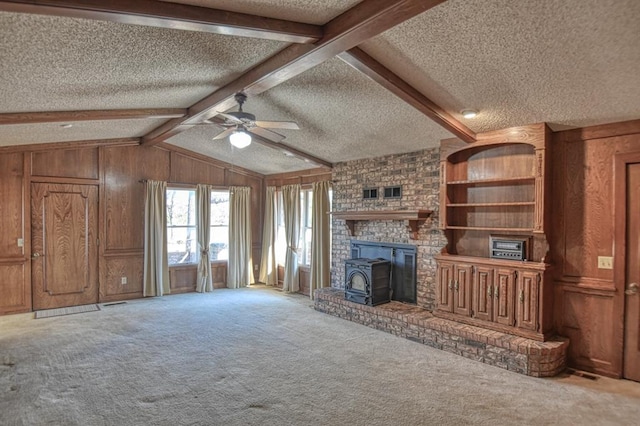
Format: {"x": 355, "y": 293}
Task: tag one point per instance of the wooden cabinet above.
{"x": 454, "y": 288}
{"x": 482, "y": 293}
{"x": 497, "y": 186}
{"x": 502, "y": 295}
{"x": 445, "y": 286}
{"x": 528, "y": 291}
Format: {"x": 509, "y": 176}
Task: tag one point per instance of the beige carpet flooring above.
{"x": 257, "y": 356}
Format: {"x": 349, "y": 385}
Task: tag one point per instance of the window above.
{"x": 306, "y": 212}
{"x": 306, "y": 216}
{"x": 392, "y": 192}
{"x": 181, "y": 226}
{"x": 370, "y": 193}
{"x": 281, "y": 240}
{"x": 219, "y": 236}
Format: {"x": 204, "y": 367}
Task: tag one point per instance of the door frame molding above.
{"x": 621, "y": 161}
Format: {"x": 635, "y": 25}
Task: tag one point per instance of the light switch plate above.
{"x": 20, "y": 242}
{"x": 605, "y": 262}
{"x": 123, "y": 280}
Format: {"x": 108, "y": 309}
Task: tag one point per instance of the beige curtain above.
{"x": 291, "y": 209}
{"x": 268, "y": 264}
{"x": 156, "y": 262}
{"x": 240, "y": 263}
{"x": 203, "y": 226}
{"x": 320, "y": 237}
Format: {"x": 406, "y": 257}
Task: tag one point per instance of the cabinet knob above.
{"x": 450, "y": 284}
{"x": 457, "y": 285}
{"x": 489, "y": 291}
{"x": 521, "y": 296}
{"x": 496, "y": 292}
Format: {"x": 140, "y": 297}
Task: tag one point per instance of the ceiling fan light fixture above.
{"x": 240, "y": 139}
{"x": 469, "y": 113}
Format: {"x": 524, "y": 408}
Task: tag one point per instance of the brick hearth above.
{"x": 524, "y": 356}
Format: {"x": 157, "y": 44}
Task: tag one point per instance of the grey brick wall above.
{"x": 418, "y": 174}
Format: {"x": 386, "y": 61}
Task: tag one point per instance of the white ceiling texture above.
{"x": 570, "y": 63}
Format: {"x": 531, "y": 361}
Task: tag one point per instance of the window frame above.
{"x": 170, "y": 227}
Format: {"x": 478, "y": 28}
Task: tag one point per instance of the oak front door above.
{"x": 632, "y": 290}
{"x": 64, "y": 258}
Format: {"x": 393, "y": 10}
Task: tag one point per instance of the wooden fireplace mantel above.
{"x": 415, "y": 218}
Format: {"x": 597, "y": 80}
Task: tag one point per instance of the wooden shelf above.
{"x": 415, "y": 218}
{"x": 487, "y": 228}
{"x": 514, "y": 204}
{"x": 497, "y": 181}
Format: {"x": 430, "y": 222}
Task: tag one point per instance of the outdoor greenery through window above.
{"x": 306, "y": 207}
{"x": 181, "y": 226}
{"x": 219, "y": 237}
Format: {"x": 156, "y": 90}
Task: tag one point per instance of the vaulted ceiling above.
{"x": 361, "y": 78}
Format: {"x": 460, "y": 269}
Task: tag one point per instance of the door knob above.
{"x": 632, "y": 289}
{"x": 35, "y": 255}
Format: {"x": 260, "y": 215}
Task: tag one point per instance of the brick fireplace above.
{"x": 417, "y": 174}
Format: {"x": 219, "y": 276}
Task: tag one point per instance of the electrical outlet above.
{"x": 20, "y": 242}
{"x": 605, "y": 262}
{"x": 123, "y": 280}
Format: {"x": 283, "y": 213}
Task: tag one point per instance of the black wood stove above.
{"x": 367, "y": 281}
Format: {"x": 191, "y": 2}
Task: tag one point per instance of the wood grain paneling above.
{"x": 590, "y": 300}
{"x": 587, "y": 321}
{"x": 189, "y": 170}
{"x": 304, "y": 279}
{"x": 72, "y": 163}
{"x": 129, "y": 267}
{"x": 183, "y": 279}
{"x": 588, "y": 211}
{"x": 64, "y": 235}
{"x": 124, "y": 167}
{"x": 11, "y": 205}
{"x": 303, "y": 177}
{"x": 15, "y": 290}
{"x": 219, "y": 274}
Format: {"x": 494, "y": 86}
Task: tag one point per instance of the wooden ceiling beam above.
{"x": 172, "y": 15}
{"x": 373, "y": 69}
{"x": 284, "y": 148}
{"x": 89, "y": 115}
{"x": 363, "y": 21}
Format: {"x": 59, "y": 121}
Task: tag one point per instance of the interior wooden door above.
{"x": 64, "y": 259}
{"x": 632, "y": 291}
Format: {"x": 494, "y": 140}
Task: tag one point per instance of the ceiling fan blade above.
{"x": 230, "y": 118}
{"x": 224, "y": 134}
{"x": 288, "y": 125}
{"x": 268, "y": 134}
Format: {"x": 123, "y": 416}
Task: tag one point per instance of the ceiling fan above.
{"x": 240, "y": 124}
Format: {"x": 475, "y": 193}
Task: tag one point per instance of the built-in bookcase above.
{"x": 496, "y": 186}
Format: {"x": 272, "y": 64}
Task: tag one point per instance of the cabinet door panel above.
{"x": 445, "y": 287}
{"x": 462, "y": 290}
{"x": 503, "y": 296}
{"x": 528, "y": 300}
{"x": 482, "y": 292}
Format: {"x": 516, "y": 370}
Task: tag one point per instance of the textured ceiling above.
{"x": 255, "y": 157}
{"x": 25, "y": 134}
{"x": 570, "y": 63}
{"x": 52, "y": 64}
{"x": 341, "y": 119}
{"x": 316, "y": 12}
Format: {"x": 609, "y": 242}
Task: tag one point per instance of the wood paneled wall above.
{"x": 118, "y": 170}
{"x": 588, "y": 300}
{"x": 15, "y": 262}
